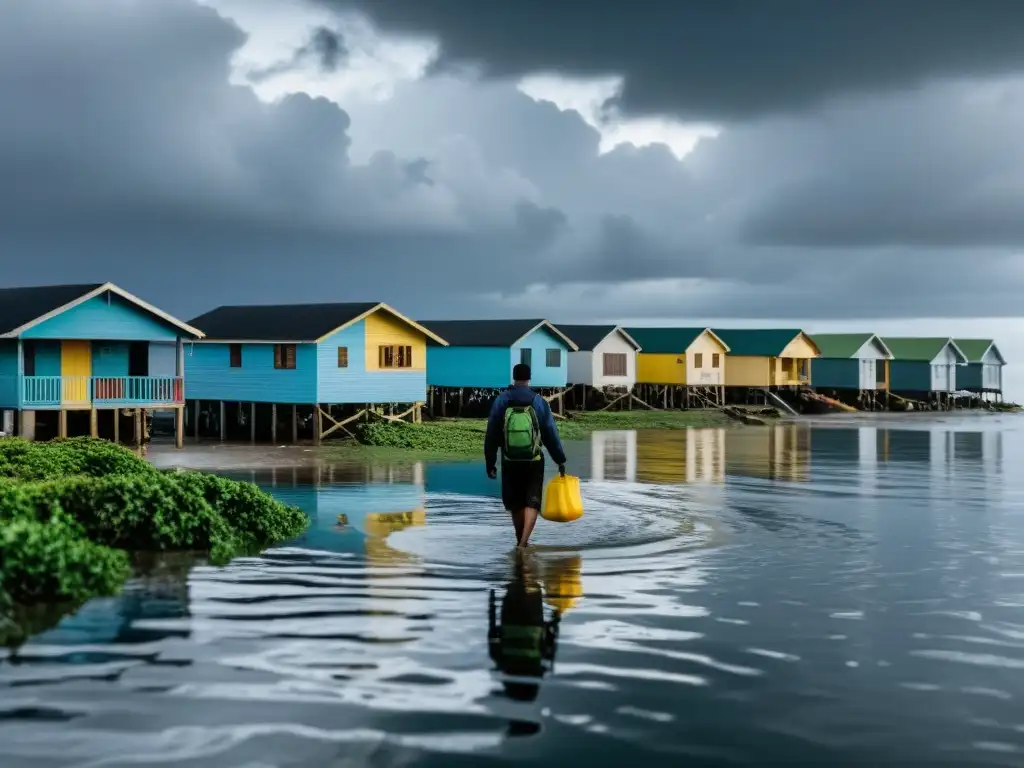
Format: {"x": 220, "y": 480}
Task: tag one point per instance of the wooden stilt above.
{"x": 317, "y": 425}
{"x": 117, "y": 425}
{"x": 62, "y": 427}
{"x": 252, "y": 423}
{"x": 94, "y": 427}
{"x": 179, "y": 427}
{"x": 223, "y": 422}
{"x": 295, "y": 424}
{"x": 444, "y": 402}
{"x": 195, "y": 420}
{"x": 137, "y": 428}
{"x": 273, "y": 423}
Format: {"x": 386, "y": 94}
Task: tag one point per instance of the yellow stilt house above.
{"x": 693, "y": 358}
{"x": 768, "y": 357}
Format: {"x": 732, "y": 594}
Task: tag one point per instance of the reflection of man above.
{"x": 524, "y": 643}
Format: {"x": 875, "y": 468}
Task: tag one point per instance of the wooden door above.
{"x": 75, "y": 370}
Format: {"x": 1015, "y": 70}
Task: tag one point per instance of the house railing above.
{"x": 99, "y": 391}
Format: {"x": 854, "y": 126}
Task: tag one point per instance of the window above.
{"x": 698, "y": 360}
{"x": 343, "y": 357}
{"x": 614, "y": 363}
{"x": 235, "y": 353}
{"x": 284, "y": 356}
{"x": 394, "y": 356}
{"x": 526, "y": 356}
{"x": 553, "y": 358}
{"x": 716, "y": 359}
{"x": 29, "y": 351}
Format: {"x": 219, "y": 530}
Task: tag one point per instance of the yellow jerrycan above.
{"x": 562, "y": 500}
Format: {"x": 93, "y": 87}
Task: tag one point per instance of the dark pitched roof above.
{"x": 277, "y": 322}
{"x": 587, "y": 337}
{"x": 483, "y": 333}
{"x": 757, "y": 342}
{"x": 19, "y": 306}
{"x": 665, "y": 341}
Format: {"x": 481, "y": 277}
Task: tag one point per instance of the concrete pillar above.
{"x": 27, "y": 424}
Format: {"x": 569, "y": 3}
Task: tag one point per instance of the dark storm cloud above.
{"x": 127, "y": 155}
{"x": 721, "y": 60}
{"x": 326, "y": 48}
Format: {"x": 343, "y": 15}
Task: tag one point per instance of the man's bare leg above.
{"x": 529, "y": 518}
{"x": 517, "y": 521}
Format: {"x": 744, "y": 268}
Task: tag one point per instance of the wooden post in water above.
{"x": 223, "y": 422}
{"x": 273, "y": 423}
{"x": 252, "y": 423}
{"x": 179, "y": 427}
{"x": 94, "y": 427}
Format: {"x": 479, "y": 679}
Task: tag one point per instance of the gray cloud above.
{"x": 129, "y": 152}
{"x": 326, "y": 48}
{"x": 722, "y": 60}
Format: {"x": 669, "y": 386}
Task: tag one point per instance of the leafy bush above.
{"x": 68, "y": 508}
{"x": 255, "y": 517}
{"x": 22, "y": 460}
{"x": 50, "y": 561}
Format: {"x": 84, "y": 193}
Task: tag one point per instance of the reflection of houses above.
{"x": 613, "y": 455}
{"x": 780, "y": 452}
{"x": 356, "y": 513}
{"x": 690, "y": 456}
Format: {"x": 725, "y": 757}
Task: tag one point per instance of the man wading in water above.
{"x": 520, "y": 423}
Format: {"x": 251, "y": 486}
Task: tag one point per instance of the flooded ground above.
{"x": 833, "y": 591}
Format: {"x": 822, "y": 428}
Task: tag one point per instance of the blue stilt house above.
{"x": 332, "y": 360}
{"x": 73, "y": 358}
{"x": 480, "y": 355}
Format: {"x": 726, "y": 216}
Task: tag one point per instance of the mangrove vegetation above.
{"x": 74, "y": 512}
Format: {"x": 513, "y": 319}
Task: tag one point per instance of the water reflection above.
{"x": 870, "y": 584}
{"x": 520, "y": 639}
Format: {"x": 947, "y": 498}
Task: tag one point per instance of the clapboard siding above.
{"x": 471, "y": 367}
{"x": 104, "y": 317}
{"x": 210, "y": 376}
{"x": 356, "y": 384}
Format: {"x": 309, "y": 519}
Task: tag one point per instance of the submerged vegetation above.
{"x": 465, "y": 437}
{"x": 71, "y": 511}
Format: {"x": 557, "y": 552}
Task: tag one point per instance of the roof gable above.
{"x": 757, "y": 342}
{"x": 492, "y": 333}
{"x": 976, "y": 349}
{"x": 920, "y": 348}
{"x": 846, "y": 345}
{"x": 24, "y": 308}
{"x": 292, "y": 322}
{"x": 669, "y": 341}
{"x": 588, "y": 337}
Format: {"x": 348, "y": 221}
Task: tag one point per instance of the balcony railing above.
{"x": 98, "y": 391}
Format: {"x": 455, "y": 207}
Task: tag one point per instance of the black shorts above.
{"x": 522, "y": 484}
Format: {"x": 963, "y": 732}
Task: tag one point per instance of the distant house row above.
{"x": 83, "y": 348}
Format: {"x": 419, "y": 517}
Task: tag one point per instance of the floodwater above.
{"x": 829, "y": 592}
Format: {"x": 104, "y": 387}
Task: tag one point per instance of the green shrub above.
{"x": 256, "y": 518}
{"x": 70, "y": 508}
{"x": 22, "y": 460}
{"x": 49, "y": 561}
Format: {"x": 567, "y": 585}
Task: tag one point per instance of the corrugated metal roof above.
{"x": 920, "y": 348}
{"x": 19, "y": 306}
{"x": 277, "y": 322}
{"x": 587, "y": 337}
{"x": 975, "y": 349}
{"x": 840, "y": 344}
{"x": 757, "y": 342}
{"x": 665, "y": 341}
{"x": 481, "y": 333}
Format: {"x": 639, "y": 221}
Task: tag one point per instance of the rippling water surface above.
{"x": 807, "y": 593}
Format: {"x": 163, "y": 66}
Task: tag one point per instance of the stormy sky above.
{"x": 827, "y": 164}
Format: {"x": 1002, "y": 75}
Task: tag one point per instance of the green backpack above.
{"x": 522, "y": 434}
